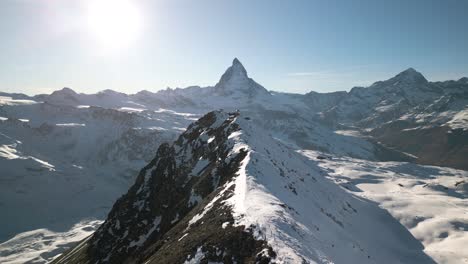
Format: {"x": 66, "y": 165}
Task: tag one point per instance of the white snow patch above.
{"x": 194, "y": 198}
{"x": 43, "y": 245}
{"x": 459, "y": 120}
{"x": 175, "y": 219}
{"x": 6, "y": 100}
{"x": 425, "y": 199}
{"x": 199, "y": 167}
{"x": 196, "y": 259}
{"x": 182, "y": 237}
{"x": 71, "y": 125}
{"x": 144, "y": 237}
{"x": 131, "y": 109}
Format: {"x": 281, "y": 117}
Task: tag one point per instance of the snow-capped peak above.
{"x": 236, "y": 72}
{"x": 235, "y": 78}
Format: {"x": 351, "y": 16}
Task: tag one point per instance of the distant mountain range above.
{"x": 68, "y": 156}
{"x": 398, "y": 115}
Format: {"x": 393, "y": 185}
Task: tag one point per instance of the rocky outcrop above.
{"x": 174, "y": 187}
{"x": 235, "y": 80}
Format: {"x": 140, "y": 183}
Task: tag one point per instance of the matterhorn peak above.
{"x": 237, "y": 66}
{"x": 236, "y": 70}
{"x": 236, "y": 79}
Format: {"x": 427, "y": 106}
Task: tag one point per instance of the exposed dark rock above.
{"x": 149, "y": 223}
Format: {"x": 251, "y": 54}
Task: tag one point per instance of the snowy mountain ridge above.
{"x": 235, "y": 183}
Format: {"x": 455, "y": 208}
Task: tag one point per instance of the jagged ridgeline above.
{"x": 227, "y": 192}
{"x": 145, "y": 223}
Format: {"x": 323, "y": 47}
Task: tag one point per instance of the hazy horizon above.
{"x": 278, "y": 90}
{"x": 296, "y": 47}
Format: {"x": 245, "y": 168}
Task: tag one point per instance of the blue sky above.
{"x": 293, "y": 46}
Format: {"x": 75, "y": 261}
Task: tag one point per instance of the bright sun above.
{"x": 114, "y": 23}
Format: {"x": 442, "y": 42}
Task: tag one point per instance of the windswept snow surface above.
{"x": 6, "y": 100}
{"x": 68, "y": 164}
{"x": 432, "y": 202}
{"x": 286, "y": 200}
{"x": 43, "y": 245}
{"x": 459, "y": 120}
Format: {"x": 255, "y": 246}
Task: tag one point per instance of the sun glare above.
{"x": 114, "y": 23}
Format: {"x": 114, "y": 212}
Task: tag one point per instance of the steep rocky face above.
{"x": 180, "y": 177}
{"x": 406, "y": 93}
{"x": 433, "y": 145}
{"x": 235, "y": 80}
{"x": 384, "y": 100}
{"x": 434, "y": 130}
{"x": 173, "y": 183}
{"x": 407, "y": 112}
{"x": 409, "y": 76}
{"x": 226, "y": 191}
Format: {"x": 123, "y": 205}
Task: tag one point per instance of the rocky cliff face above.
{"x": 236, "y": 81}
{"x": 167, "y": 193}
{"x": 407, "y": 112}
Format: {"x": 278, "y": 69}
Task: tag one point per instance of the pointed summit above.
{"x": 410, "y": 75}
{"x": 236, "y": 61}
{"x": 237, "y": 64}
{"x": 236, "y": 70}
{"x": 236, "y": 79}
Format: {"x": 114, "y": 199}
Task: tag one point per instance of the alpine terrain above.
{"x": 235, "y": 173}
{"x": 222, "y": 193}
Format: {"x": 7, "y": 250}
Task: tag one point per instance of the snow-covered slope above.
{"x": 380, "y": 112}
{"x": 77, "y": 161}
{"x": 234, "y": 187}
{"x": 106, "y": 137}
{"x": 432, "y": 202}
{"x": 43, "y": 245}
